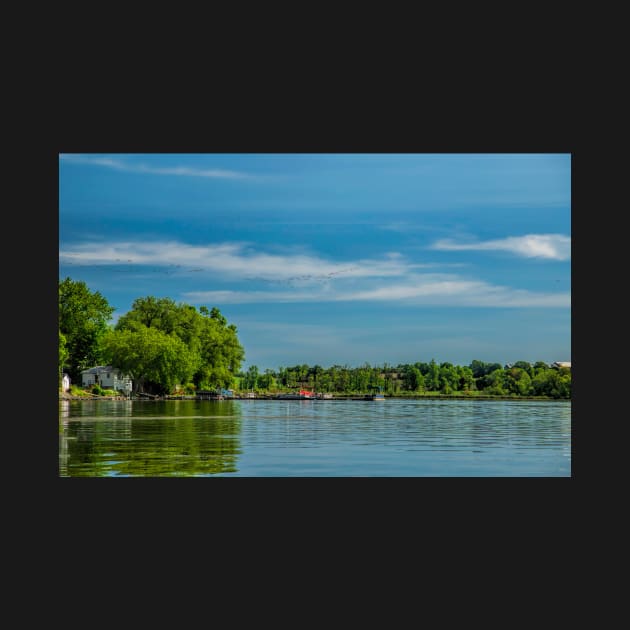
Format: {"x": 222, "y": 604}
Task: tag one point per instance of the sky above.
{"x": 334, "y": 259}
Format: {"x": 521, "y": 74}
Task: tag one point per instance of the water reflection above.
{"x": 165, "y": 438}
{"x": 306, "y": 438}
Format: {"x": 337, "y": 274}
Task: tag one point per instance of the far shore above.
{"x": 349, "y": 397}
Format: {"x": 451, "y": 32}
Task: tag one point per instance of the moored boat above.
{"x": 373, "y": 396}
{"x": 303, "y": 394}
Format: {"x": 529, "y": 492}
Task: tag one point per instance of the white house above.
{"x": 65, "y": 383}
{"x": 562, "y": 364}
{"x": 107, "y": 377}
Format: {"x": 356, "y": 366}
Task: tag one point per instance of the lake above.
{"x": 273, "y": 438}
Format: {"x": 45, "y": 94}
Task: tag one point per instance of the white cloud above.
{"x": 418, "y": 290}
{"x": 551, "y": 246}
{"x": 231, "y": 260}
{"x": 143, "y": 168}
{"x": 455, "y": 291}
{"x": 303, "y": 278}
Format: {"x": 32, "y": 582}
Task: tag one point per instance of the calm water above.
{"x": 314, "y": 438}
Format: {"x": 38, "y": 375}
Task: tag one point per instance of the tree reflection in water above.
{"x": 150, "y": 439}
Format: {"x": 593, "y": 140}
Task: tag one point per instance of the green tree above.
{"x": 518, "y": 381}
{"x": 83, "y": 317}
{"x": 449, "y": 378}
{"x": 483, "y": 372}
{"x": 432, "y": 378}
{"x": 553, "y": 383}
{"x": 267, "y": 381}
{"x": 156, "y": 361}
{"x": 206, "y": 334}
{"x": 495, "y": 382}
{"x": 221, "y": 352}
{"x": 63, "y": 354}
{"x": 538, "y": 367}
{"x": 524, "y": 365}
{"x": 250, "y": 380}
{"x": 466, "y": 378}
{"x": 478, "y": 368}
{"x": 164, "y": 314}
{"x": 413, "y": 380}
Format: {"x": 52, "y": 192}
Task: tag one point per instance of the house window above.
{"x": 107, "y": 374}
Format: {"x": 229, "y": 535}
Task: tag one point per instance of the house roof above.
{"x": 99, "y": 369}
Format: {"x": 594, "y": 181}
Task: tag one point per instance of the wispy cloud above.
{"x": 231, "y": 260}
{"x": 299, "y": 277}
{"x": 128, "y": 167}
{"x": 417, "y": 291}
{"x": 452, "y": 290}
{"x": 550, "y": 246}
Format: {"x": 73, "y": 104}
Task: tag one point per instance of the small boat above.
{"x": 214, "y": 394}
{"x": 303, "y": 394}
{"x": 376, "y": 395}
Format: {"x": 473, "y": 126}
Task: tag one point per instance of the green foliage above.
{"x": 416, "y": 379}
{"x": 63, "y": 352}
{"x": 267, "y": 381}
{"x": 220, "y": 350}
{"x": 250, "y": 380}
{"x": 553, "y": 383}
{"x": 466, "y": 378}
{"x": 151, "y": 357}
{"x": 448, "y": 378}
{"x": 517, "y": 381}
{"x": 97, "y": 390}
{"x": 413, "y": 379}
{"x": 495, "y": 383}
{"x": 83, "y": 317}
{"x": 524, "y": 365}
{"x": 160, "y": 344}
{"x": 75, "y": 390}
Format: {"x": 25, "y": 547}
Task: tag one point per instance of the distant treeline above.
{"x": 167, "y": 347}
{"x": 493, "y": 379}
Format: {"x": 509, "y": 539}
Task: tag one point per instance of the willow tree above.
{"x": 220, "y": 350}
{"x": 155, "y": 360}
{"x": 211, "y": 344}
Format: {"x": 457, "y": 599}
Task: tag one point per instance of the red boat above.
{"x": 303, "y": 394}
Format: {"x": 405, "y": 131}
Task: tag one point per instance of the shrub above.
{"x": 75, "y": 390}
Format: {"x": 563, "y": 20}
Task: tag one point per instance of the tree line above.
{"x": 519, "y": 379}
{"x": 162, "y": 345}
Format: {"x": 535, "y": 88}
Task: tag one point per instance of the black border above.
{"x": 376, "y": 121}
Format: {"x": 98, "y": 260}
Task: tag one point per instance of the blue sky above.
{"x": 335, "y": 258}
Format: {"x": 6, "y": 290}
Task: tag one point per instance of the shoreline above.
{"x": 319, "y": 400}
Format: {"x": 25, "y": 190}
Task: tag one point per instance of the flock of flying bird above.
{"x": 174, "y": 268}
